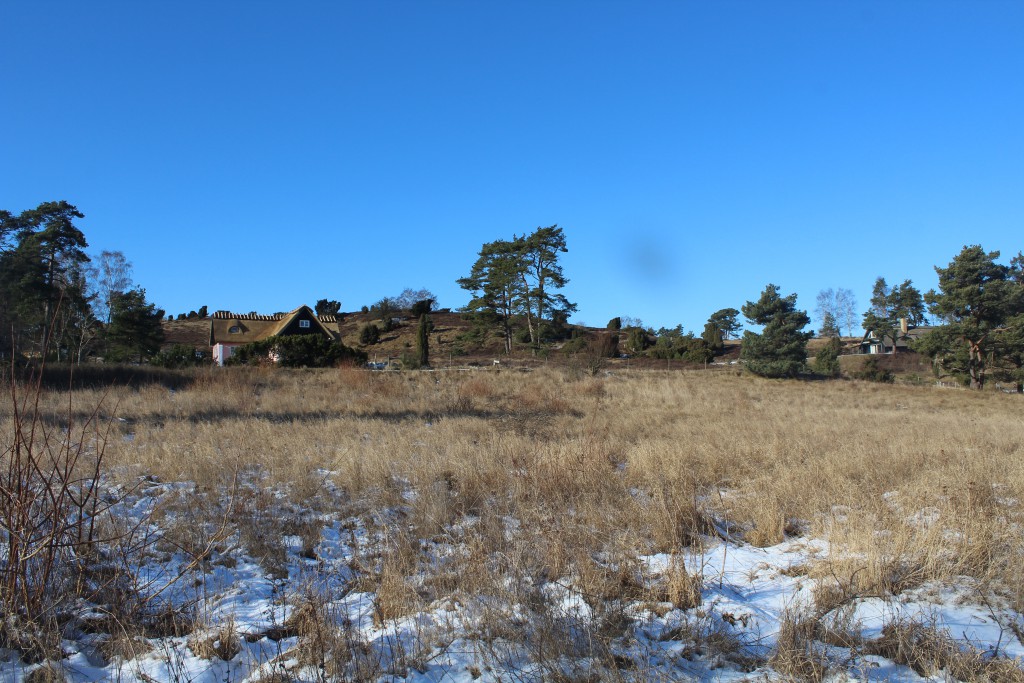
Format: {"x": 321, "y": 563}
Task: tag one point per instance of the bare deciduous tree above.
{"x": 111, "y": 275}
{"x": 841, "y": 304}
{"x": 846, "y": 305}
{"x": 409, "y": 297}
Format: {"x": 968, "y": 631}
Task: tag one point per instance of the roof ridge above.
{"x": 228, "y": 315}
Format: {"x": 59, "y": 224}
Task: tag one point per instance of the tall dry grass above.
{"x": 835, "y": 459}
{"x": 841, "y": 459}
{"x": 571, "y": 477}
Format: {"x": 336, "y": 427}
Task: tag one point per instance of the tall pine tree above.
{"x": 979, "y": 300}
{"x": 541, "y": 273}
{"x": 135, "y": 332}
{"x": 781, "y": 348}
{"x": 495, "y": 283}
{"x": 40, "y": 271}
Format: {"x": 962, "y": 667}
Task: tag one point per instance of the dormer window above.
{"x": 304, "y": 323}
{"x": 234, "y": 329}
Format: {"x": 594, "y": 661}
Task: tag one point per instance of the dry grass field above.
{"x": 498, "y": 497}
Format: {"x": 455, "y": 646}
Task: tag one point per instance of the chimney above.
{"x": 903, "y": 325}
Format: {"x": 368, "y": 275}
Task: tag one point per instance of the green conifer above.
{"x": 423, "y": 341}
{"x": 781, "y": 348}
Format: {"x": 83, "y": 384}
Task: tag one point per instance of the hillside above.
{"x": 453, "y": 342}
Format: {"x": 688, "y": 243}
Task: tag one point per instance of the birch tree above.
{"x": 112, "y": 275}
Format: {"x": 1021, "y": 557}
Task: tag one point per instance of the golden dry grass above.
{"x": 841, "y": 460}
{"x": 909, "y": 484}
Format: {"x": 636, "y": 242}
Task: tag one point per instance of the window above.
{"x": 303, "y": 323}
{"x": 234, "y": 329}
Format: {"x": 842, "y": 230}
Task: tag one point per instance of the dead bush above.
{"x": 224, "y": 643}
{"x": 395, "y": 595}
{"x": 798, "y": 655}
{"x": 682, "y": 588}
{"x": 60, "y": 539}
{"x": 48, "y": 672}
{"x": 617, "y": 578}
{"x": 262, "y": 525}
{"x": 34, "y": 641}
{"x": 929, "y": 650}
{"x": 676, "y": 519}
{"x": 769, "y": 523}
{"x": 123, "y": 646}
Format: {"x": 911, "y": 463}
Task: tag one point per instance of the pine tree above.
{"x": 712, "y": 336}
{"x": 327, "y": 307}
{"x": 495, "y": 283}
{"x": 781, "y": 348}
{"x": 608, "y": 344}
{"x": 369, "y": 334}
{"x": 826, "y": 363}
{"x": 636, "y": 341}
{"x": 541, "y": 273}
{"x": 979, "y": 299}
{"x": 423, "y": 340}
{"x": 519, "y": 278}
{"x": 890, "y": 305}
{"x": 39, "y": 272}
{"x": 726, "y": 321}
{"x": 422, "y": 307}
{"x": 828, "y": 326}
{"x": 135, "y": 332}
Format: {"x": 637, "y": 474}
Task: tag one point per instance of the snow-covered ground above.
{"x": 312, "y": 618}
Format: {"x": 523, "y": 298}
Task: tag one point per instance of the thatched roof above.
{"x": 194, "y": 332}
{"x": 234, "y": 328}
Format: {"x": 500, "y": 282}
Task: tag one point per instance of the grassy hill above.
{"x": 455, "y": 342}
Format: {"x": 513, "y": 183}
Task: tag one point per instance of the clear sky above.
{"x": 258, "y": 155}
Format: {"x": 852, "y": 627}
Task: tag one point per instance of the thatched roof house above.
{"x": 885, "y": 343}
{"x": 230, "y": 330}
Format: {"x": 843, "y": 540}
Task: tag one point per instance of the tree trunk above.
{"x": 976, "y": 366}
{"x": 540, "y": 300}
{"x": 507, "y": 331}
{"x": 529, "y": 310}
{"x": 44, "y": 347}
{"x": 506, "y": 316}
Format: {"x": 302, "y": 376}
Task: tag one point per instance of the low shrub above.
{"x": 826, "y": 363}
{"x": 872, "y": 371}
{"x": 181, "y": 356}
{"x": 300, "y": 351}
{"x": 369, "y": 334}
{"x": 574, "y": 346}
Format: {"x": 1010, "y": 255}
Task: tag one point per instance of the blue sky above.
{"x": 257, "y": 155}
